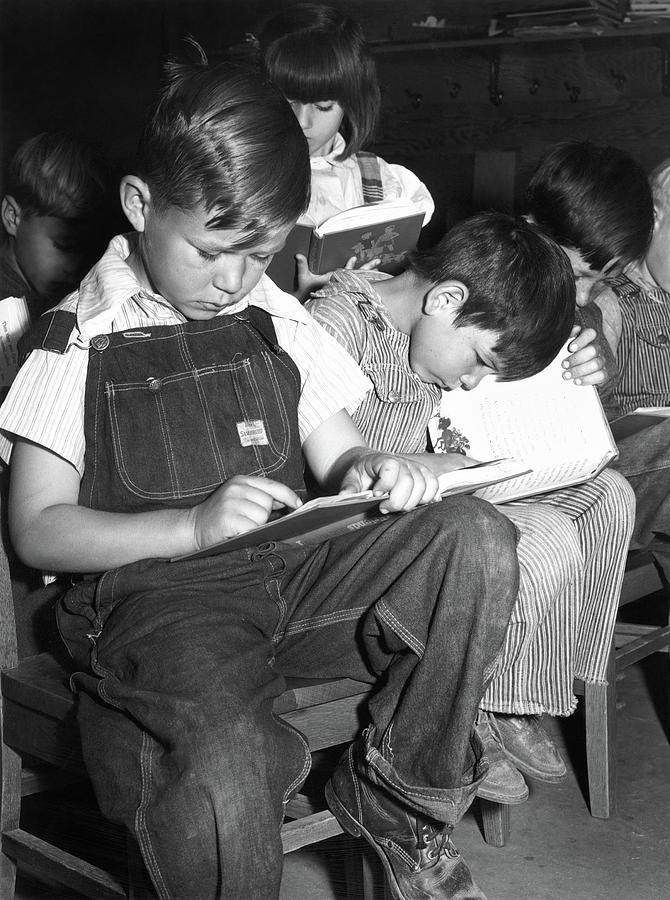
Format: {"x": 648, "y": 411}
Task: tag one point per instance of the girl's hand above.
{"x": 242, "y": 503}
{"x": 586, "y": 363}
{"x": 368, "y": 266}
{"x": 308, "y": 282}
{"x": 408, "y": 482}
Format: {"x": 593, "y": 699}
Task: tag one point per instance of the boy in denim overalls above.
{"x": 172, "y": 402}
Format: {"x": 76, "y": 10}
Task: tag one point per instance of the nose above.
{"x": 471, "y": 381}
{"x": 229, "y": 276}
{"x": 303, "y": 114}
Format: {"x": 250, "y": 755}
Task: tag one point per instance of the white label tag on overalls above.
{"x": 252, "y": 432}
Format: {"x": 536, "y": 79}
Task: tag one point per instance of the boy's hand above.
{"x": 408, "y": 483}
{"x": 586, "y": 363}
{"x": 242, "y": 503}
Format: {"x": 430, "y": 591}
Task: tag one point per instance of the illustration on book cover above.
{"x": 383, "y": 246}
{"x": 450, "y": 439}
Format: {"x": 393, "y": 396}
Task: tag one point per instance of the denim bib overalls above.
{"x": 178, "y": 663}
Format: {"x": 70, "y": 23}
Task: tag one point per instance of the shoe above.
{"x": 419, "y": 859}
{"x": 503, "y": 783}
{"x": 529, "y": 746}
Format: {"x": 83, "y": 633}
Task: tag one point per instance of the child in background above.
{"x": 318, "y": 58}
{"x": 172, "y": 402}
{"x": 598, "y": 203}
{"x": 461, "y": 311}
{"x": 55, "y": 216}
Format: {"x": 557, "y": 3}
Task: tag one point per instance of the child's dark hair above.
{"x": 56, "y": 174}
{"x": 520, "y": 285}
{"x": 593, "y": 199}
{"x": 224, "y": 136}
{"x": 315, "y": 53}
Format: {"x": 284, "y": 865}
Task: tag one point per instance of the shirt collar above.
{"x": 111, "y": 283}
{"x": 324, "y": 162}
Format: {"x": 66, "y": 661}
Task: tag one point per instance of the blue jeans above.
{"x": 644, "y": 458}
{"x": 180, "y": 664}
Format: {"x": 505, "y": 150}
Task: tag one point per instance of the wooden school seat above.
{"x": 41, "y": 751}
{"x": 643, "y": 578}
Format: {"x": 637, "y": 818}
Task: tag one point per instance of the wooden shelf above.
{"x": 623, "y": 32}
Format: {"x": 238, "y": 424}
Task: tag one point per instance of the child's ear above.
{"x": 135, "y": 200}
{"x": 445, "y": 296}
{"x": 11, "y": 214}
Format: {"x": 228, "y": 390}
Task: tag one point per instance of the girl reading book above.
{"x": 318, "y": 57}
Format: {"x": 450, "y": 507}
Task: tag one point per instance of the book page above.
{"x": 556, "y": 427}
{"x": 369, "y": 214}
{"x": 14, "y": 323}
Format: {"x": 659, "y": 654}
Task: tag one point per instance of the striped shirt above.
{"x": 46, "y": 401}
{"x": 337, "y": 185}
{"x": 394, "y": 415}
{"x": 643, "y": 352}
{"x": 572, "y": 544}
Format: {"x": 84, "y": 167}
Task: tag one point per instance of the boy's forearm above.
{"x": 69, "y": 538}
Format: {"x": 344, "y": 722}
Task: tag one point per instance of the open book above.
{"x": 326, "y": 517}
{"x": 386, "y": 231}
{"x": 556, "y": 428}
{"x": 640, "y": 418}
{"x": 14, "y": 322}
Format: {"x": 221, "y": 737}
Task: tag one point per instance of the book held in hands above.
{"x": 14, "y": 323}
{"x": 556, "y": 428}
{"x": 387, "y": 231}
{"x": 326, "y": 517}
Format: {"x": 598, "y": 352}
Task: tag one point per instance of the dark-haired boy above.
{"x": 465, "y": 309}
{"x": 56, "y": 215}
{"x": 600, "y": 205}
{"x": 172, "y": 402}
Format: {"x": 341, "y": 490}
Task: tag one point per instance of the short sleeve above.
{"x": 45, "y": 405}
{"x": 341, "y": 320}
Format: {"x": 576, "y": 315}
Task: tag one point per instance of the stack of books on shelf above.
{"x": 648, "y": 9}
{"x": 576, "y": 14}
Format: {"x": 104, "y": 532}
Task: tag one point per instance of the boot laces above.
{"x": 431, "y": 837}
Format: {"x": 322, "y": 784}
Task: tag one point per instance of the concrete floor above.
{"x": 557, "y": 851}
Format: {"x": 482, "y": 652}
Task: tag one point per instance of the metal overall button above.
{"x": 100, "y": 342}
{"x": 154, "y": 384}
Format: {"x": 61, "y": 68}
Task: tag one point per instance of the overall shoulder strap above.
{"x": 51, "y": 332}
{"x": 371, "y": 176}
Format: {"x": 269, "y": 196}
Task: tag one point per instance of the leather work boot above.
{"x": 503, "y": 782}
{"x": 420, "y": 861}
{"x": 529, "y": 747}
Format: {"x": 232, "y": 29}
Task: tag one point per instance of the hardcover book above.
{"x": 556, "y": 428}
{"x": 387, "y": 231}
{"x": 326, "y": 517}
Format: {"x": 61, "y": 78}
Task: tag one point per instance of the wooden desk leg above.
{"x": 600, "y": 719}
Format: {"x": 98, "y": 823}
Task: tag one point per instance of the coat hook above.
{"x": 495, "y": 94}
{"x": 534, "y": 86}
{"x": 619, "y": 80}
{"x": 573, "y": 91}
{"x": 415, "y": 98}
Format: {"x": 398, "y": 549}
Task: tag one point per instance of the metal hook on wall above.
{"x": 454, "y": 90}
{"x": 619, "y": 80}
{"x": 495, "y": 94}
{"x": 534, "y": 86}
{"x": 573, "y": 91}
{"x": 416, "y": 99}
